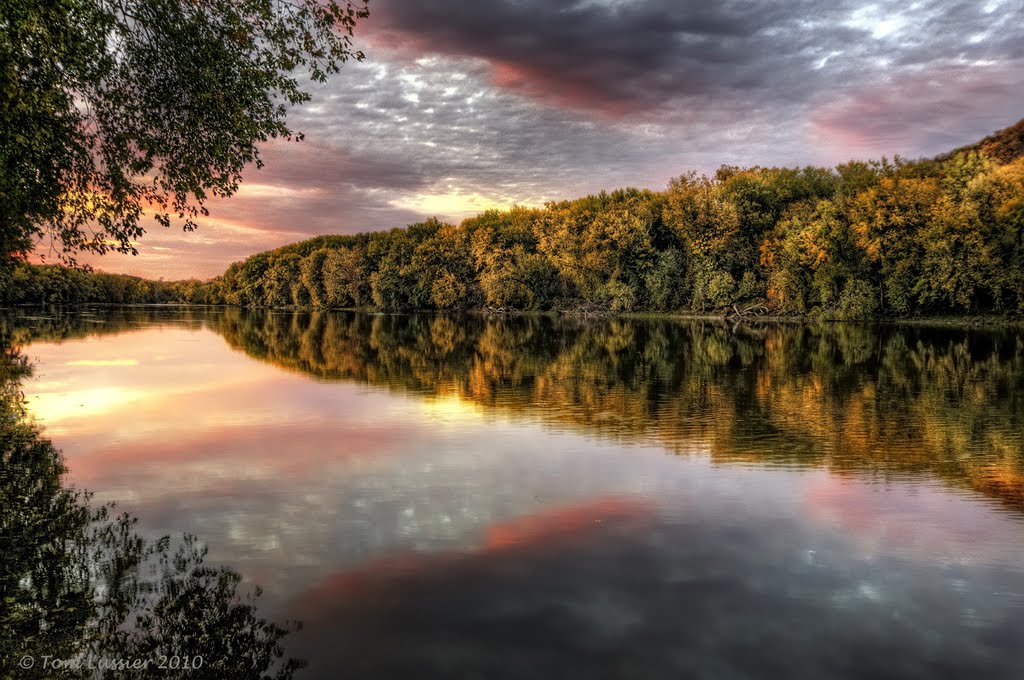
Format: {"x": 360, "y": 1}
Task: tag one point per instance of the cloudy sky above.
{"x": 460, "y": 107}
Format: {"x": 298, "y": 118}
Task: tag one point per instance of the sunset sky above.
{"x": 460, "y": 107}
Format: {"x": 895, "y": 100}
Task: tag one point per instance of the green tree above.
{"x": 999, "y": 197}
{"x": 393, "y": 283}
{"x": 281, "y": 281}
{"x": 665, "y": 282}
{"x": 958, "y": 264}
{"x": 311, "y": 272}
{"x": 709, "y": 227}
{"x": 605, "y": 245}
{"x": 510, "y": 270}
{"x": 112, "y": 109}
{"x": 443, "y": 267}
{"x": 346, "y": 274}
{"x": 888, "y": 223}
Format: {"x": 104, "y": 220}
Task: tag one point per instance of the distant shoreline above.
{"x": 942, "y": 321}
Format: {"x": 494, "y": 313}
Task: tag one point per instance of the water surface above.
{"x": 541, "y": 497}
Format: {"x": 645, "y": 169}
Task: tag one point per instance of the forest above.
{"x": 942, "y": 236}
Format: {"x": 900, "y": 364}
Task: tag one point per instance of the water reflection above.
{"x": 450, "y": 497}
{"x": 82, "y": 595}
{"x": 881, "y": 400}
{"x": 613, "y": 590}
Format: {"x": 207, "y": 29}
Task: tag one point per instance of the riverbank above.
{"x": 960, "y": 322}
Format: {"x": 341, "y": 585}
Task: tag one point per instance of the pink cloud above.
{"x": 922, "y": 112}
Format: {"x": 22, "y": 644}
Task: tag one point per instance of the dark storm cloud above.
{"x": 629, "y": 58}
{"x": 617, "y": 58}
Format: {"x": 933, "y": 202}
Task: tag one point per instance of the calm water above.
{"x": 543, "y": 498}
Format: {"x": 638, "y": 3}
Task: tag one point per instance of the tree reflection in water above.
{"x": 890, "y": 400}
{"x": 80, "y": 589}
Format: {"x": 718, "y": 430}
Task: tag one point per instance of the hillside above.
{"x": 1005, "y": 145}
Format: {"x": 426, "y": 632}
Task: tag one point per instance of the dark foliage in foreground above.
{"x": 115, "y": 111}
{"x": 79, "y": 585}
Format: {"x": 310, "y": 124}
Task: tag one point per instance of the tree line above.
{"x": 56, "y": 285}
{"x": 861, "y": 240}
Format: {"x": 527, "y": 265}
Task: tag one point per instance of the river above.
{"x": 539, "y": 497}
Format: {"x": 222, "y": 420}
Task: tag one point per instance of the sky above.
{"x": 460, "y": 107}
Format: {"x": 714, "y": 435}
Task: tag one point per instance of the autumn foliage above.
{"x": 862, "y": 240}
